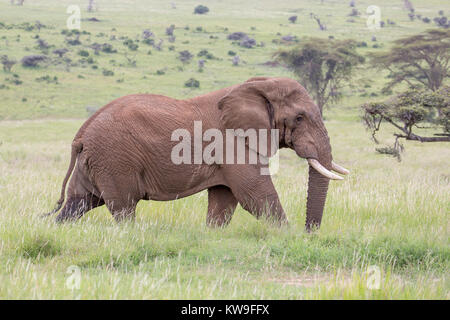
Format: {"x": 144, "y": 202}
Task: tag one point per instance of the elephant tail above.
{"x": 77, "y": 146}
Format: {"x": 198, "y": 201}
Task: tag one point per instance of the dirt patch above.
{"x": 314, "y": 280}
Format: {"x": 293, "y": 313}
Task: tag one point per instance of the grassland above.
{"x": 390, "y": 214}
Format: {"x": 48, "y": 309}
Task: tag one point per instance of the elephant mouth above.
{"x": 327, "y": 173}
{"x": 286, "y": 137}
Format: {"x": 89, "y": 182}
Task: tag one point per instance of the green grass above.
{"x": 390, "y": 214}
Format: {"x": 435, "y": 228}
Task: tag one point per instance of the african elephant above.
{"x": 122, "y": 153}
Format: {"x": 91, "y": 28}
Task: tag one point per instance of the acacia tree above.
{"x": 409, "y": 112}
{"x": 323, "y": 66}
{"x": 421, "y": 59}
{"x": 7, "y": 63}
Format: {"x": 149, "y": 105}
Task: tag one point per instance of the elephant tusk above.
{"x": 338, "y": 168}
{"x": 322, "y": 170}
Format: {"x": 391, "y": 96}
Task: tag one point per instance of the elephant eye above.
{"x": 299, "y": 118}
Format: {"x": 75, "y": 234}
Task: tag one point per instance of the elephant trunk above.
{"x": 317, "y": 194}
{"x": 319, "y": 178}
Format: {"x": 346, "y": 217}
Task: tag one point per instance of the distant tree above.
{"x": 321, "y": 25}
{"x": 7, "y": 63}
{"x": 200, "y": 9}
{"x": 131, "y": 60}
{"x": 235, "y": 60}
{"x": 38, "y": 25}
{"x": 60, "y": 52}
{"x": 323, "y": 66}
{"x": 159, "y": 45}
{"x": 90, "y": 7}
{"x": 420, "y": 59}
{"x": 408, "y": 5}
{"x": 169, "y": 30}
{"x": 201, "y": 65}
{"x": 408, "y": 112}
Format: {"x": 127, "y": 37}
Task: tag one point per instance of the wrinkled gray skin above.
{"x": 122, "y": 153}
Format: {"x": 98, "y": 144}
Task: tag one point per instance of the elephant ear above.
{"x": 250, "y": 106}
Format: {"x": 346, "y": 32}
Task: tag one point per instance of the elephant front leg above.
{"x": 255, "y": 192}
{"x": 221, "y": 206}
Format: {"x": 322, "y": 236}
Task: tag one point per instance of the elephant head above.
{"x": 283, "y": 104}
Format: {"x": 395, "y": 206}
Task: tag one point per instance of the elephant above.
{"x": 122, "y": 153}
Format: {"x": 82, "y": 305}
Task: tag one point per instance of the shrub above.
{"x": 289, "y": 38}
{"x": 200, "y": 9}
{"x": 237, "y": 36}
{"x": 354, "y": 13}
{"x": 42, "y": 44}
{"x": 83, "y": 53}
{"x": 107, "y": 48}
{"x": 185, "y": 56}
{"x": 148, "y": 41}
{"x": 293, "y": 19}
{"x": 361, "y": 44}
{"x": 74, "y": 41}
{"x": 147, "y": 34}
{"x": 231, "y": 53}
{"x": 192, "y": 83}
{"x": 108, "y": 73}
{"x": 247, "y": 43}
{"x": 206, "y": 54}
{"x": 32, "y": 60}
{"x": 160, "y": 72}
{"x": 442, "y": 22}
{"x": 14, "y": 80}
{"x": 131, "y": 45}
{"x": 47, "y": 79}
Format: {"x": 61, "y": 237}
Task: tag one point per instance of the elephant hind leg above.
{"x": 121, "y": 195}
{"x": 221, "y": 206}
{"x": 122, "y": 209}
{"x": 76, "y": 206}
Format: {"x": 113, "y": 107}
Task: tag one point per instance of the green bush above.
{"x": 200, "y": 9}
{"x": 192, "y": 83}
